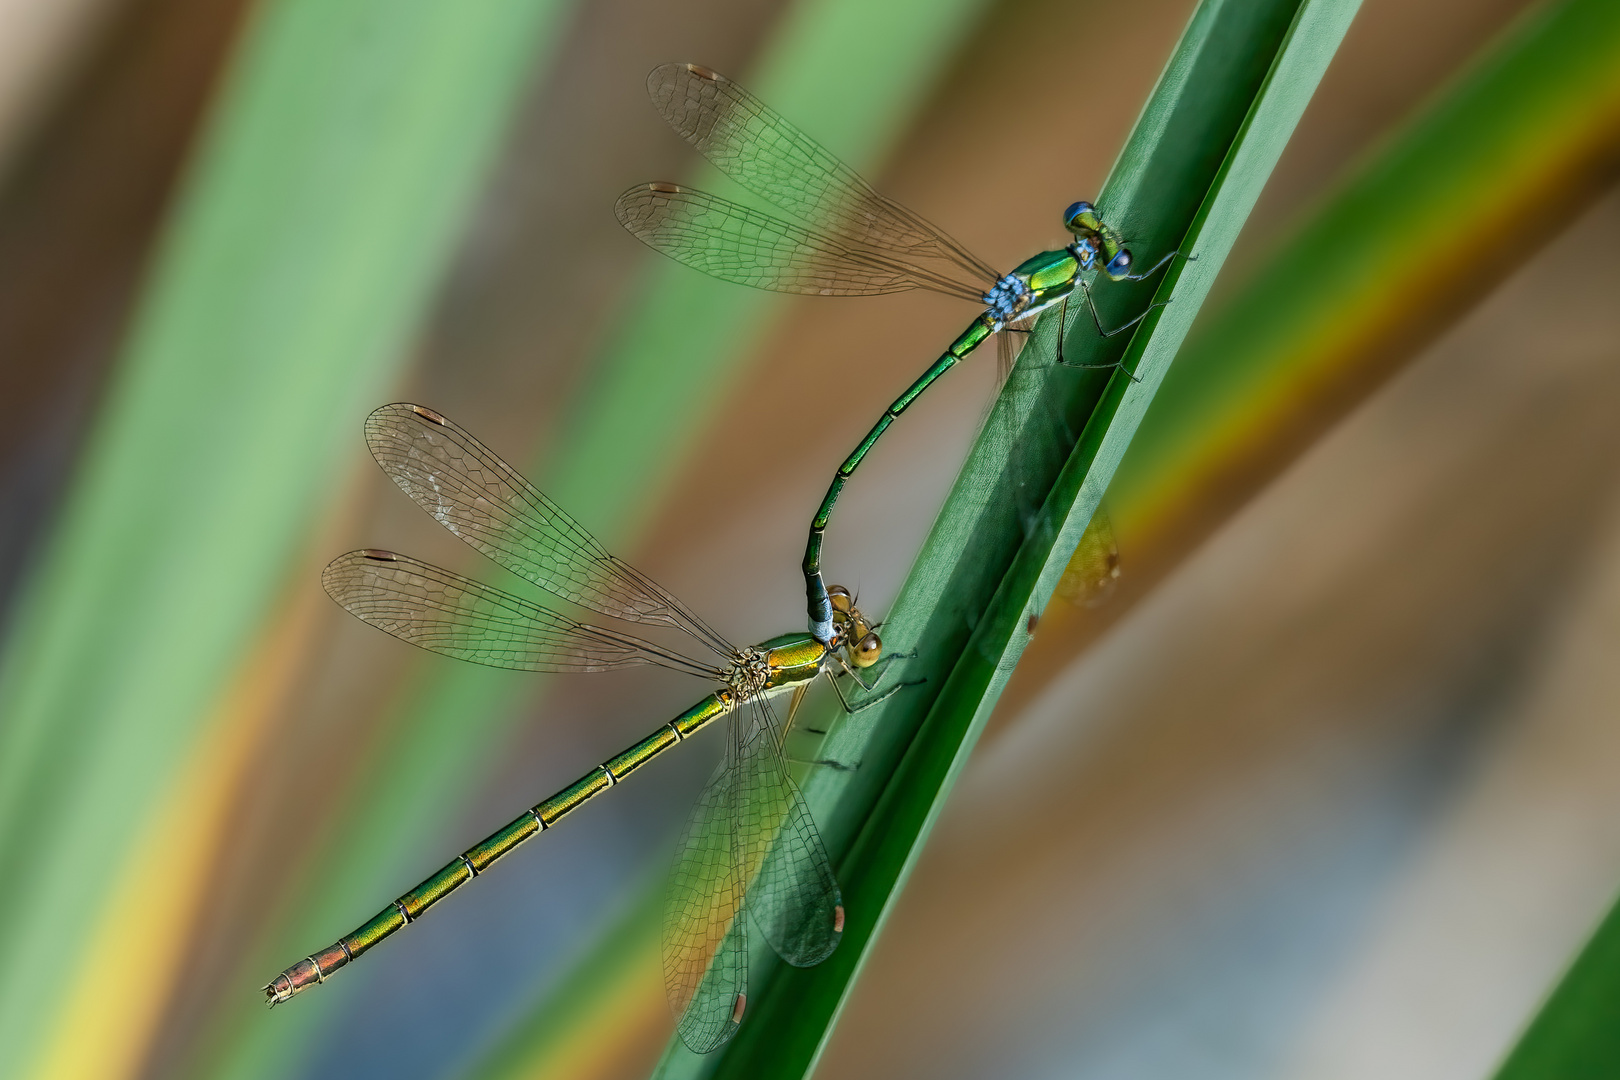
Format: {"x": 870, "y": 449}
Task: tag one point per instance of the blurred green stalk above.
{"x": 851, "y": 72}
{"x": 1455, "y": 200}
{"x": 321, "y": 208}
{"x": 1406, "y": 242}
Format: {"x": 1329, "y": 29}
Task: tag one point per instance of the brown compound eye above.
{"x": 866, "y": 651}
{"x": 841, "y": 600}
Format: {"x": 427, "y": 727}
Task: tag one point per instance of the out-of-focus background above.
{"x": 1333, "y": 790}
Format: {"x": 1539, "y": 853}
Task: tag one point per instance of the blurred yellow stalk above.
{"x": 138, "y": 950}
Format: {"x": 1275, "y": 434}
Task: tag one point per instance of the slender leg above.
{"x": 1120, "y": 328}
{"x": 863, "y": 706}
{"x": 1095, "y": 318}
{"x": 882, "y": 669}
{"x": 851, "y": 710}
{"x": 879, "y": 670}
{"x": 1156, "y": 267}
{"x": 1063, "y": 315}
{"x": 1063, "y": 312}
{"x": 1063, "y": 328}
{"x": 1104, "y": 333}
{"x": 793, "y": 709}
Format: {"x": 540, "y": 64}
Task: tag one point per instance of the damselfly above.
{"x": 853, "y": 242}
{"x": 750, "y": 843}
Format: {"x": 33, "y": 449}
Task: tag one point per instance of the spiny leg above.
{"x": 863, "y": 706}
{"x": 880, "y": 669}
{"x": 1097, "y": 319}
{"x": 1062, "y": 314}
{"x": 841, "y": 766}
{"x": 1121, "y": 328}
{"x": 851, "y": 710}
{"x": 1156, "y": 267}
{"x": 793, "y": 709}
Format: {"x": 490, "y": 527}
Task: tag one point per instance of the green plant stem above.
{"x": 1576, "y": 1036}
{"x": 1189, "y": 175}
{"x": 1533, "y": 121}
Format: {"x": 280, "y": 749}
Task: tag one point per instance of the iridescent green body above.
{"x": 750, "y": 854}
{"x": 1047, "y": 279}
{"x": 854, "y": 242}
{"x": 777, "y": 666}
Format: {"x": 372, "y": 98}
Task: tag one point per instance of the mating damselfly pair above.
{"x": 750, "y": 845}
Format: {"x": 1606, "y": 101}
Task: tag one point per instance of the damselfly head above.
{"x": 865, "y": 652}
{"x": 853, "y": 632}
{"x": 1119, "y": 266}
{"x": 847, "y": 622}
{"x": 1081, "y": 219}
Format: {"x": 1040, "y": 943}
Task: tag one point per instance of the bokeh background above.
{"x": 1330, "y": 787}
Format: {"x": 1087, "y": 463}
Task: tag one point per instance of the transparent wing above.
{"x": 705, "y": 943}
{"x": 792, "y": 897}
{"x": 1009, "y": 343}
{"x": 472, "y": 492}
{"x": 750, "y": 841}
{"x": 446, "y": 613}
{"x": 755, "y": 146}
{"x": 746, "y": 247}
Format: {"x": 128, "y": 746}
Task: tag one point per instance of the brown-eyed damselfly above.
{"x": 750, "y": 845}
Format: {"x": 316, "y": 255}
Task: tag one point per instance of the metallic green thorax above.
{"x": 1049, "y": 277}
{"x": 772, "y": 667}
{"x": 852, "y": 242}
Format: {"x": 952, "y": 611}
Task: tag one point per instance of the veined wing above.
{"x": 757, "y": 147}
{"x": 705, "y": 939}
{"x": 472, "y": 492}
{"x": 792, "y": 895}
{"x": 1092, "y": 573}
{"x": 750, "y": 838}
{"x": 442, "y": 612}
{"x": 747, "y": 247}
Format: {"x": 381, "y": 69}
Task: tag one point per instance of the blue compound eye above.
{"x": 1073, "y": 212}
{"x": 1119, "y": 266}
